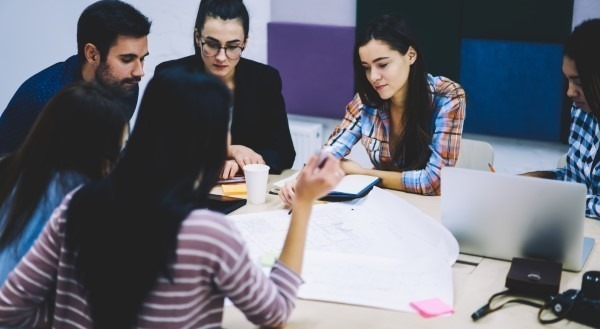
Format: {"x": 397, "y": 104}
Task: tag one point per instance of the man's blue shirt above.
{"x": 29, "y": 100}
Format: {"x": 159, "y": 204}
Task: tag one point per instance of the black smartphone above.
{"x": 224, "y": 204}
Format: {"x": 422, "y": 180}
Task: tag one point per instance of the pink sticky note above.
{"x": 432, "y": 307}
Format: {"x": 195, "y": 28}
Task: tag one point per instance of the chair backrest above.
{"x": 562, "y": 162}
{"x": 475, "y": 155}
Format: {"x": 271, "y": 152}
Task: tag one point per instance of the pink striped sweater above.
{"x": 212, "y": 263}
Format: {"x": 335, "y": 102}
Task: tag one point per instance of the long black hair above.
{"x": 124, "y": 228}
{"x": 583, "y": 47}
{"x": 412, "y": 150}
{"x": 79, "y": 130}
{"x": 223, "y": 9}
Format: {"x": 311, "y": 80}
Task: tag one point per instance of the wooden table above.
{"x": 475, "y": 280}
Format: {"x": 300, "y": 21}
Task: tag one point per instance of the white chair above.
{"x": 475, "y": 155}
{"x": 562, "y": 162}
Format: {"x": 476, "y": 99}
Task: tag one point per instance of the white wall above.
{"x": 328, "y": 12}
{"x": 36, "y": 34}
{"x": 585, "y": 9}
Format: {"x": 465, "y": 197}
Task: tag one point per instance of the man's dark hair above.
{"x": 102, "y": 22}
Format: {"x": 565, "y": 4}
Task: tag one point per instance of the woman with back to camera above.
{"x": 133, "y": 252}
{"x": 410, "y": 122}
{"x": 259, "y": 124}
{"x": 77, "y": 138}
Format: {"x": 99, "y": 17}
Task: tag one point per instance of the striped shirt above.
{"x": 372, "y": 127}
{"x": 583, "y": 158}
{"x": 212, "y": 263}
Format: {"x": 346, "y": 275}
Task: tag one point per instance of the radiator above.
{"x": 307, "y": 138}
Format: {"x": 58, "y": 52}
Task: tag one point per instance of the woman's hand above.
{"x": 229, "y": 169}
{"x": 317, "y": 179}
{"x": 244, "y": 155}
{"x": 287, "y": 192}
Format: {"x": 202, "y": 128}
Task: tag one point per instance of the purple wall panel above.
{"x": 315, "y": 63}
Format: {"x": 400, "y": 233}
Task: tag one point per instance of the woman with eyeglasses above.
{"x": 410, "y": 122}
{"x": 259, "y": 125}
{"x": 77, "y": 138}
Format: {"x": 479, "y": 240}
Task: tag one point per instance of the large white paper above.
{"x": 379, "y": 251}
{"x": 373, "y": 281}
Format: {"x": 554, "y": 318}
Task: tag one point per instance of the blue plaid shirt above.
{"x": 582, "y": 165}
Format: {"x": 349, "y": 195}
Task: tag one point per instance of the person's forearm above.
{"x": 389, "y": 179}
{"x": 292, "y": 253}
{"x": 231, "y": 150}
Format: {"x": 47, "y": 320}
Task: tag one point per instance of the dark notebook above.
{"x": 224, "y": 204}
{"x": 352, "y": 187}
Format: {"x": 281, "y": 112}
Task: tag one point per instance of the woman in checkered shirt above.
{"x": 581, "y": 67}
{"x": 409, "y": 121}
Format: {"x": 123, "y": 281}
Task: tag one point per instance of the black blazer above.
{"x": 259, "y": 117}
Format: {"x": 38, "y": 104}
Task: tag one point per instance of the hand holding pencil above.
{"x": 322, "y": 167}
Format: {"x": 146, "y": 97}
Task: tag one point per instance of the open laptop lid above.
{"x": 504, "y": 216}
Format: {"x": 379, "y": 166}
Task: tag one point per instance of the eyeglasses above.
{"x": 212, "y": 49}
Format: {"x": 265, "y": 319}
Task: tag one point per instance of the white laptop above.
{"x": 504, "y": 216}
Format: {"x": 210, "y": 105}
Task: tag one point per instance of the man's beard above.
{"x": 120, "y": 87}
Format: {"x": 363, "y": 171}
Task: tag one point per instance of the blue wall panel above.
{"x": 513, "y": 88}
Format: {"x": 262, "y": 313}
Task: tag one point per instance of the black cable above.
{"x": 487, "y": 309}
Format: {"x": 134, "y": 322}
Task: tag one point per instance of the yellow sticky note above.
{"x": 234, "y": 189}
{"x": 269, "y": 259}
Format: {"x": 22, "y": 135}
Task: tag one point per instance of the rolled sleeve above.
{"x": 348, "y": 132}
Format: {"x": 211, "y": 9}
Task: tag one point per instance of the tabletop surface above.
{"x": 475, "y": 280}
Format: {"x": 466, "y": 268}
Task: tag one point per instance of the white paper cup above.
{"x": 257, "y": 176}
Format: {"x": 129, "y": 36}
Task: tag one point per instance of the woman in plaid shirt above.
{"x": 581, "y": 67}
{"x": 410, "y": 122}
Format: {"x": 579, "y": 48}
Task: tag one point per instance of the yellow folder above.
{"x": 234, "y": 189}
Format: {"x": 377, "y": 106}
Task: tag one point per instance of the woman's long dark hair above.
{"x": 412, "y": 150}
{"x": 80, "y": 129}
{"x": 583, "y": 47}
{"x": 223, "y": 9}
{"x": 124, "y": 228}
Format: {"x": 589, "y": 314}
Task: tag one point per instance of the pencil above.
{"x": 491, "y": 167}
